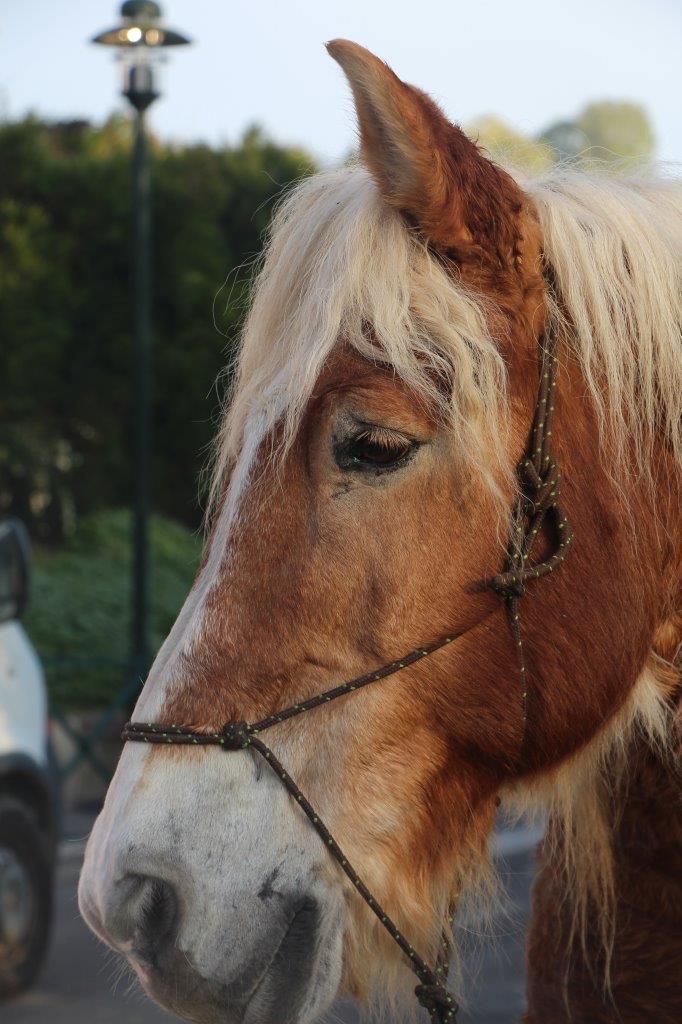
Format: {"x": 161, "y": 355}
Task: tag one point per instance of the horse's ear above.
{"x": 423, "y": 164}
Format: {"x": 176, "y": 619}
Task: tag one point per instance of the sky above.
{"x": 528, "y": 61}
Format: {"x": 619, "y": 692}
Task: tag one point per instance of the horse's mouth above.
{"x": 285, "y": 982}
{"x": 270, "y": 991}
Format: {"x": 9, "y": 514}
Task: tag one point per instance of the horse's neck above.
{"x": 568, "y": 988}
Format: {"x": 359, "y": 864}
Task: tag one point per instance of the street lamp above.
{"x": 140, "y": 40}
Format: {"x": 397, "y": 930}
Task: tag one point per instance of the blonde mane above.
{"x": 340, "y": 259}
{"x": 614, "y": 246}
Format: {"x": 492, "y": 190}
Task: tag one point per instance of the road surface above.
{"x": 82, "y": 983}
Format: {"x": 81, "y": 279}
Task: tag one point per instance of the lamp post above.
{"x": 140, "y": 40}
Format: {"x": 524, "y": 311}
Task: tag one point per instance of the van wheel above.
{"x": 25, "y": 896}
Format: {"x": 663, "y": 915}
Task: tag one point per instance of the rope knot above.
{"x": 507, "y": 585}
{"x": 234, "y": 736}
{"x": 437, "y": 1001}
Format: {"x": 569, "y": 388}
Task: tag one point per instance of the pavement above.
{"x": 83, "y": 983}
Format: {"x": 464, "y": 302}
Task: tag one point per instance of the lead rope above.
{"x": 537, "y": 501}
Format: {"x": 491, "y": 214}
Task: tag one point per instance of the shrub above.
{"x": 79, "y": 615}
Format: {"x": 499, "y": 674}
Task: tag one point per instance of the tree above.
{"x": 565, "y": 139}
{"x": 65, "y": 309}
{"x": 617, "y": 130}
{"x": 606, "y": 131}
{"x": 509, "y": 146}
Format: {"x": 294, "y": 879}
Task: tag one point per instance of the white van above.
{"x": 27, "y": 804}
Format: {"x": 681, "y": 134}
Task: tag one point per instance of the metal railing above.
{"x": 86, "y": 741}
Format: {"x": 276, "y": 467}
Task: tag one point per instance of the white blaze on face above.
{"x": 241, "y": 871}
{"x": 188, "y": 630}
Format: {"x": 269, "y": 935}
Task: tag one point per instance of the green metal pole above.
{"x": 142, "y": 395}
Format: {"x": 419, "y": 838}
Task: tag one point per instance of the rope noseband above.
{"x": 537, "y": 503}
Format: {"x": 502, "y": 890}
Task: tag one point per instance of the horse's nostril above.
{"x": 144, "y": 917}
{"x": 158, "y": 912}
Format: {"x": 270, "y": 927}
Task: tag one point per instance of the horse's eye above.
{"x": 375, "y": 448}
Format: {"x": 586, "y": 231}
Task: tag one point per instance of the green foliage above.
{"x": 509, "y": 146}
{"x": 65, "y": 309}
{"x": 565, "y": 140}
{"x": 606, "y": 131}
{"x": 617, "y": 130}
{"x": 79, "y": 615}
{"x": 601, "y": 132}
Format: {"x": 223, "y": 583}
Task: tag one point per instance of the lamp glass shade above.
{"x": 141, "y": 26}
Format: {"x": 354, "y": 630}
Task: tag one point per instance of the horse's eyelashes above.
{"x": 374, "y": 449}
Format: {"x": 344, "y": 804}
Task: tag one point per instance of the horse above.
{"x": 365, "y": 491}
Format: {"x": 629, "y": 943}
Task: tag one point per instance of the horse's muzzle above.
{"x": 141, "y": 920}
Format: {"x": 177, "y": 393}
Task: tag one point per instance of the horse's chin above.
{"x": 293, "y": 980}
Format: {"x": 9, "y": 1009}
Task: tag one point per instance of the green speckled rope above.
{"x": 537, "y": 503}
